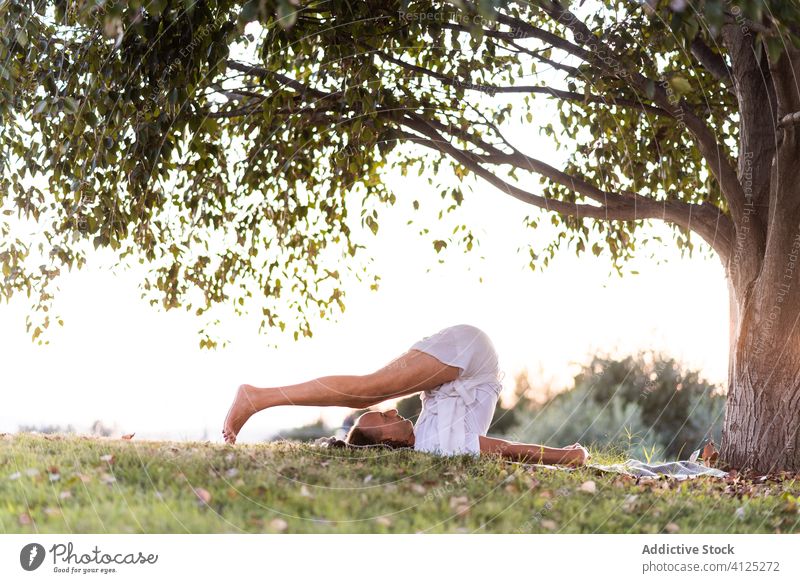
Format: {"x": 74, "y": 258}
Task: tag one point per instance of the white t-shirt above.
{"x": 454, "y": 414}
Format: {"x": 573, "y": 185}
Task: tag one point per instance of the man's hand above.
{"x": 578, "y": 456}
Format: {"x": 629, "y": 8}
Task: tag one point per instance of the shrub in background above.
{"x": 645, "y": 406}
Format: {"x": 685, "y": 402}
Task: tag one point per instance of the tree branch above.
{"x": 758, "y": 110}
{"x": 572, "y": 71}
{"x": 704, "y": 219}
{"x": 510, "y": 36}
{"x": 530, "y": 89}
{"x": 526, "y": 29}
{"x": 715, "y": 153}
{"x": 287, "y": 81}
{"x": 711, "y": 62}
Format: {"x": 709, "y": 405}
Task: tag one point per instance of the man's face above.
{"x": 386, "y": 425}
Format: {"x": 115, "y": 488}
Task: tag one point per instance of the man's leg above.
{"x": 412, "y": 372}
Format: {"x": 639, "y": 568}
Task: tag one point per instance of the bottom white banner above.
{"x": 388, "y": 558}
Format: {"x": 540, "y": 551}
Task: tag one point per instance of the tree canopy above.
{"x": 221, "y": 143}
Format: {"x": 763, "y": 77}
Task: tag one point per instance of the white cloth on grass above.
{"x": 675, "y": 469}
{"x": 456, "y": 413}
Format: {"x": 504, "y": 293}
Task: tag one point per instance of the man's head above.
{"x": 382, "y": 427}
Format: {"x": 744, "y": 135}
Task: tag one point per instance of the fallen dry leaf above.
{"x": 630, "y": 502}
{"x": 278, "y": 524}
{"x": 710, "y": 454}
{"x": 256, "y": 522}
{"x": 203, "y": 495}
{"x": 460, "y": 504}
{"x": 790, "y": 506}
{"x": 647, "y": 483}
{"x": 530, "y": 482}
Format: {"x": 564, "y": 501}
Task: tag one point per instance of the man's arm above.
{"x": 533, "y": 453}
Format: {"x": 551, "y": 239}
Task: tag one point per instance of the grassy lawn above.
{"x": 54, "y": 484}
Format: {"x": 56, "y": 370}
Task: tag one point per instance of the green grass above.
{"x": 55, "y": 484}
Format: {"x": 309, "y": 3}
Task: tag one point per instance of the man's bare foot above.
{"x": 241, "y": 410}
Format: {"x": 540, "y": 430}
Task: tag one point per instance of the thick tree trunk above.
{"x": 762, "y": 421}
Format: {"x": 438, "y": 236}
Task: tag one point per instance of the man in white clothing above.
{"x": 455, "y": 370}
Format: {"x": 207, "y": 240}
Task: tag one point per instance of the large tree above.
{"x": 221, "y": 143}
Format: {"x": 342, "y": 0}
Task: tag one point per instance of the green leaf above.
{"x": 40, "y": 107}
{"x": 287, "y": 14}
{"x": 775, "y": 48}
{"x": 71, "y": 105}
{"x": 249, "y": 12}
{"x": 680, "y": 85}
{"x": 372, "y": 224}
